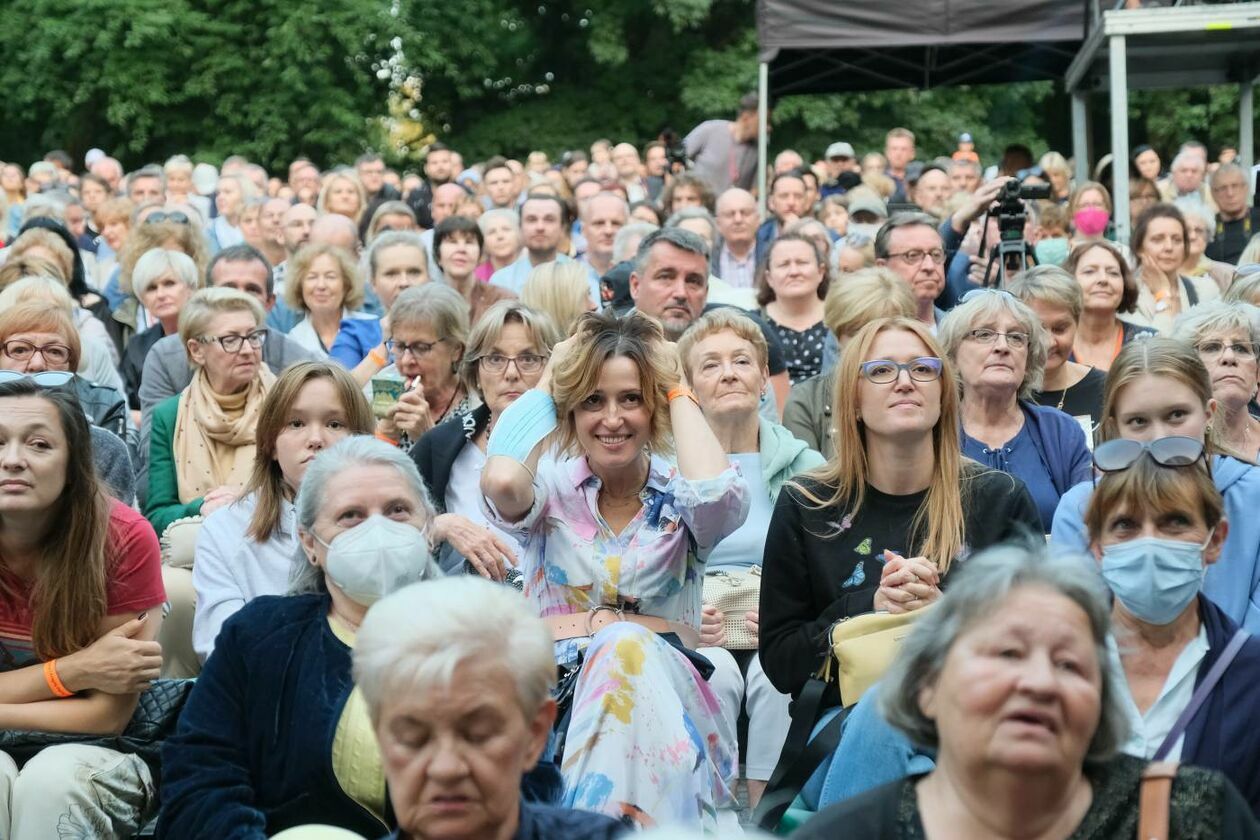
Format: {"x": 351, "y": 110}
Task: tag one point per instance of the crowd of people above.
{"x": 517, "y": 498}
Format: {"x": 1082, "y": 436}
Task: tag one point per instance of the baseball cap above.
{"x": 965, "y": 137}
{"x": 865, "y": 202}
{"x": 840, "y": 150}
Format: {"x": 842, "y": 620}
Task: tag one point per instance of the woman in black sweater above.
{"x": 880, "y": 525}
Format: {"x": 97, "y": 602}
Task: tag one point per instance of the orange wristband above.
{"x": 377, "y": 358}
{"x": 680, "y": 391}
{"x": 386, "y": 438}
{"x": 54, "y": 682}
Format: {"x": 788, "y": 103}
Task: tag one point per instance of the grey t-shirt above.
{"x": 718, "y": 158}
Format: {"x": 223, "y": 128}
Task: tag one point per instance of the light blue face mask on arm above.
{"x": 1155, "y": 579}
{"x": 522, "y": 425}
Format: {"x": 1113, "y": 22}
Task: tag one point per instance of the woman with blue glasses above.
{"x": 881, "y": 524}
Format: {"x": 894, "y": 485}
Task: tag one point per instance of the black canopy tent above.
{"x": 823, "y": 46}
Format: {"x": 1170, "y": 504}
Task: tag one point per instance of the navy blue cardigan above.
{"x": 252, "y": 754}
{"x": 1223, "y": 734}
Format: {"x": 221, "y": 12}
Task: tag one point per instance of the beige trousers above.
{"x": 74, "y": 790}
{"x": 179, "y": 660}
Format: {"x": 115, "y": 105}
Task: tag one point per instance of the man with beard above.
{"x": 439, "y": 169}
{"x": 544, "y": 218}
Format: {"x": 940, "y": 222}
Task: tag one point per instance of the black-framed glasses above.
{"x": 884, "y": 371}
{"x": 43, "y": 378}
{"x": 1014, "y": 340}
{"x": 525, "y": 362}
{"x": 418, "y": 349}
{"x": 21, "y": 351}
{"x": 1172, "y": 451}
{"x": 233, "y": 343}
{"x": 1214, "y": 347}
{"x": 916, "y": 255}
{"x": 175, "y": 216}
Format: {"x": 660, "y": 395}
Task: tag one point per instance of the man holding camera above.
{"x": 724, "y": 152}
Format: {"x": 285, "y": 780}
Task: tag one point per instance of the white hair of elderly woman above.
{"x": 983, "y": 305}
{"x": 350, "y": 452}
{"x": 418, "y": 636}
{"x": 1215, "y": 317}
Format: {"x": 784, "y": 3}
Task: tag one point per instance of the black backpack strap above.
{"x": 800, "y": 756}
{"x": 1192, "y": 294}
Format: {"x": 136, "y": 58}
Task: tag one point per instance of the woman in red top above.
{"x": 80, "y": 607}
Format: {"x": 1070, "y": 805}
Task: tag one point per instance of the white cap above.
{"x": 205, "y": 178}
{"x": 92, "y": 156}
{"x": 838, "y": 150}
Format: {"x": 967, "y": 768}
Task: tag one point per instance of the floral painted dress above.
{"x": 646, "y": 739}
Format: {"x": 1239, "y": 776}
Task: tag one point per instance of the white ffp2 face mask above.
{"x": 377, "y": 557}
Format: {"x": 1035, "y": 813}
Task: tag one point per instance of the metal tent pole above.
{"x": 1080, "y": 134}
{"x": 1246, "y": 127}
{"x": 1119, "y": 73}
{"x": 763, "y": 119}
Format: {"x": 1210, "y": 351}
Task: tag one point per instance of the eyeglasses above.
{"x": 936, "y": 255}
{"x": 44, "y": 378}
{"x": 21, "y": 351}
{"x": 233, "y": 343}
{"x": 1014, "y": 340}
{"x": 1174, "y": 451}
{"x": 1242, "y": 349}
{"x": 525, "y": 362}
{"x": 884, "y": 371}
{"x": 175, "y": 216}
{"x": 979, "y": 293}
{"x": 419, "y": 349}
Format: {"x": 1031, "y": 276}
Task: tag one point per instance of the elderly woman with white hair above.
{"x": 1014, "y": 681}
{"x": 275, "y": 734}
{"x": 163, "y": 280}
{"x": 501, "y": 229}
{"x": 1201, "y": 230}
{"x": 998, "y": 346}
{"x": 1227, "y": 338}
{"x": 457, "y": 677}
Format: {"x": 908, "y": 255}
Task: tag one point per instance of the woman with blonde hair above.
{"x": 1059, "y": 174}
{"x": 130, "y": 316}
{"x": 562, "y": 290}
{"x": 852, "y": 303}
{"x": 615, "y": 539}
{"x": 1160, "y": 388}
{"x": 246, "y": 549}
{"x": 324, "y": 285}
{"x": 343, "y": 194}
{"x": 113, "y": 219}
{"x": 881, "y": 524}
{"x": 233, "y": 193}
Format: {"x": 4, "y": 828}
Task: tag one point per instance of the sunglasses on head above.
{"x": 43, "y": 379}
{"x": 1174, "y": 451}
{"x": 174, "y": 216}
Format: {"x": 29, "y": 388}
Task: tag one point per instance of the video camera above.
{"x": 676, "y": 159}
{"x": 1011, "y": 253}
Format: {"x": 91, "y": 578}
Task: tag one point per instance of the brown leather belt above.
{"x": 578, "y": 625}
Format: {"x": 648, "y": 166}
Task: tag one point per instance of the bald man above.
{"x": 625, "y": 159}
{"x": 445, "y": 199}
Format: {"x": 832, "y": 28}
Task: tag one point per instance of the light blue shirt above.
{"x": 743, "y": 548}
{"x": 512, "y": 277}
{"x": 1148, "y": 731}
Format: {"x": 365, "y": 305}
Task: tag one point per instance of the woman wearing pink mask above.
{"x": 1089, "y": 208}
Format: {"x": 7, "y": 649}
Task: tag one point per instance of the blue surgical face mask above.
{"x": 1053, "y": 251}
{"x": 1155, "y": 579}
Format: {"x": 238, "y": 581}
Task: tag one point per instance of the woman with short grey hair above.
{"x": 1201, "y": 230}
{"x": 1227, "y": 337}
{"x": 473, "y": 662}
{"x": 1055, "y": 296}
{"x": 275, "y": 708}
{"x": 501, "y": 230}
{"x": 420, "y": 387}
{"x": 998, "y": 346}
{"x": 163, "y": 280}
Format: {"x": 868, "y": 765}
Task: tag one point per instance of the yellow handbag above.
{"x": 862, "y": 648}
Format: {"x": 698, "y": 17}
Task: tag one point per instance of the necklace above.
{"x": 449, "y": 403}
{"x": 1062, "y": 399}
{"x": 610, "y": 497}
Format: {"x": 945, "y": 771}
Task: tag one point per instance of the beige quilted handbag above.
{"x": 734, "y": 593}
{"x": 179, "y": 542}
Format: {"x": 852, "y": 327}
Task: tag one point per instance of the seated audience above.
{"x": 393, "y": 263}
{"x": 860, "y": 297}
{"x": 998, "y": 347}
{"x": 615, "y": 540}
{"x": 1012, "y": 672}
{"x": 245, "y": 549}
{"x": 82, "y": 602}
{"x": 274, "y": 734}
{"x": 1160, "y": 248}
{"x": 1160, "y": 388}
{"x": 1110, "y": 291}
{"x": 507, "y": 351}
{"x": 792, "y": 285}
{"x": 881, "y": 525}
{"x": 457, "y": 248}
{"x": 501, "y": 232}
{"x": 482, "y": 697}
{"x": 725, "y": 358}
{"x": 1076, "y": 389}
